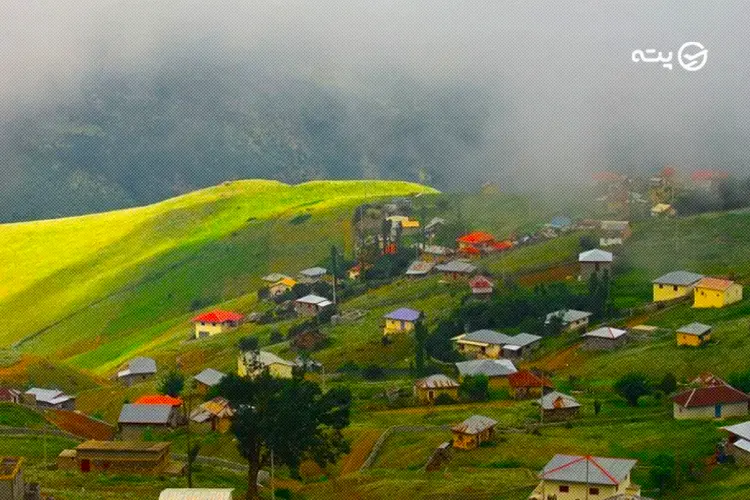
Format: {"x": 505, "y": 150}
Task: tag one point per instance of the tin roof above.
{"x": 135, "y": 413}
{"x": 404, "y": 314}
{"x": 694, "y": 329}
{"x": 714, "y": 284}
{"x": 682, "y": 278}
{"x": 456, "y": 266}
{"x": 606, "y": 332}
{"x": 196, "y": 494}
{"x": 93, "y": 445}
{"x": 489, "y": 367}
{"x": 474, "y": 425}
{"x": 314, "y": 272}
{"x": 710, "y": 396}
{"x": 742, "y": 430}
{"x": 568, "y": 315}
{"x": 557, "y": 400}
{"x": 595, "y": 255}
{"x": 314, "y": 299}
{"x": 141, "y": 365}
{"x": 587, "y": 470}
{"x": 419, "y": 268}
{"x": 210, "y": 377}
{"x": 437, "y": 381}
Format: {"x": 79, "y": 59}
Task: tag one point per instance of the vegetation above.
{"x": 632, "y": 387}
{"x": 172, "y": 383}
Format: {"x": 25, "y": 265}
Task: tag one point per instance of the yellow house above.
{"x": 281, "y": 286}
{"x": 251, "y": 364}
{"x": 569, "y": 477}
{"x": 674, "y": 285}
{"x": 401, "y": 320}
{"x": 694, "y": 334}
{"x": 715, "y": 292}
{"x": 215, "y": 322}
{"x": 429, "y": 388}
{"x": 473, "y": 431}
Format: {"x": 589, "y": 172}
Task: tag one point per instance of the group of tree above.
{"x": 633, "y": 386}
{"x": 727, "y": 194}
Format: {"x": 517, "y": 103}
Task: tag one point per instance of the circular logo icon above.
{"x": 692, "y": 56}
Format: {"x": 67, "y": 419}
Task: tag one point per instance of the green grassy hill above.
{"x": 95, "y": 289}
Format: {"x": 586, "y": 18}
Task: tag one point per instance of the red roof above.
{"x": 714, "y": 284}
{"x": 158, "y": 399}
{"x": 217, "y": 316}
{"x": 471, "y": 250}
{"x": 476, "y": 237}
{"x": 710, "y": 396}
{"x": 503, "y": 245}
{"x": 480, "y": 281}
{"x": 526, "y": 378}
{"x": 708, "y": 175}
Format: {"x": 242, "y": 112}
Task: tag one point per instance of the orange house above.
{"x": 476, "y": 243}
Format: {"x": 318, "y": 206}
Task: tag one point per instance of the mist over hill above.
{"x": 106, "y": 103}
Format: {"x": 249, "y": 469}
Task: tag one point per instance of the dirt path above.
{"x": 561, "y": 359}
{"x": 360, "y": 451}
{"x": 558, "y": 273}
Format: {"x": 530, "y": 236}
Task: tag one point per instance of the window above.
{"x": 593, "y": 491}
{"x": 564, "y": 488}
{"x": 675, "y": 288}
{"x": 661, "y": 286}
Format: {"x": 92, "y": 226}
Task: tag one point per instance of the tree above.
{"x": 172, "y": 383}
{"x": 597, "y": 407}
{"x": 663, "y": 473}
{"x": 668, "y": 384}
{"x": 632, "y": 387}
{"x": 475, "y": 387}
{"x": 248, "y": 344}
{"x": 420, "y": 338}
{"x": 291, "y": 419}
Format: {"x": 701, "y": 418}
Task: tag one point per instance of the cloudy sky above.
{"x": 566, "y": 97}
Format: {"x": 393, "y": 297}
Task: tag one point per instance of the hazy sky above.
{"x": 565, "y": 92}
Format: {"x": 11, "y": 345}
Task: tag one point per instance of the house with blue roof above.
{"x": 401, "y": 320}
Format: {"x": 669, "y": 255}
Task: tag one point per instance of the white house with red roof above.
{"x": 481, "y": 286}
{"x": 571, "y": 477}
{"x": 215, "y": 322}
{"x": 711, "y": 402}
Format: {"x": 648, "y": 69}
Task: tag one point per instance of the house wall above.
{"x": 124, "y": 461}
{"x": 426, "y": 396}
{"x": 306, "y": 309}
{"x": 471, "y": 441}
{"x": 134, "y": 432}
{"x": 208, "y": 329}
{"x": 602, "y": 344}
{"x": 692, "y": 340}
{"x": 549, "y": 490}
{"x": 708, "y": 412}
{"x": 580, "y": 324}
{"x": 12, "y": 488}
{"x": 705, "y": 298}
{"x": 741, "y": 457}
{"x": 278, "y": 289}
{"x": 670, "y": 292}
{"x": 397, "y": 326}
{"x": 526, "y": 392}
{"x": 134, "y": 379}
{"x": 280, "y": 371}
{"x": 589, "y": 268}
{"x": 475, "y": 351}
{"x": 560, "y": 414}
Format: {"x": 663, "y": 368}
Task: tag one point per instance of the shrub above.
{"x": 348, "y": 367}
{"x": 299, "y": 219}
{"x": 276, "y": 337}
{"x": 444, "y": 399}
{"x": 373, "y": 372}
{"x": 475, "y": 388}
{"x": 632, "y": 387}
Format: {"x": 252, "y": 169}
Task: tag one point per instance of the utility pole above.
{"x": 273, "y": 489}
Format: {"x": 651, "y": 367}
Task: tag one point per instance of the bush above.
{"x": 668, "y": 384}
{"x": 283, "y": 494}
{"x": 172, "y": 383}
{"x": 444, "y": 399}
{"x": 276, "y": 337}
{"x": 373, "y": 372}
{"x": 349, "y": 367}
{"x": 299, "y": 219}
{"x": 475, "y": 388}
{"x": 632, "y": 387}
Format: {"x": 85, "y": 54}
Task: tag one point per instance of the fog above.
{"x": 561, "y": 94}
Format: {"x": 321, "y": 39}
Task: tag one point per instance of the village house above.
{"x": 492, "y": 344}
{"x": 527, "y": 384}
{"x": 614, "y": 232}
{"x": 595, "y": 261}
{"x": 663, "y": 210}
{"x": 675, "y": 285}
{"x": 476, "y": 243}
{"x": 481, "y": 286}
{"x": 738, "y": 443}
{"x": 251, "y": 364}
{"x": 569, "y": 477}
{"x": 313, "y": 274}
{"x": 139, "y": 369}
{"x": 693, "y": 335}
{"x": 207, "y": 379}
{"x": 9, "y": 395}
{"x": 281, "y": 287}
{"x": 473, "y": 431}
{"x": 560, "y": 223}
{"x": 604, "y": 339}
{"x": 570, "y": 319}
{"x": 497, "y": 371}
{"x": 311, "y": 305}
{"x": 434, "y": 253}
{"x": 12, "y": 485}
{"x": 196, "y": 494}
{"x": 215, "y": 322}
{"x": 356, "y": 270}
{"x": 710, "y": 402}
{"x": 215, "y": 413}
{"x": 557, "y": 407}
{"x": 48, "y": 399}
{"x": 456, "y": 269}
{"x": 401, "y": 320}
{"x": 429, "y": 388}
{"x": 419, "y": 268}
{"x": 708, "y": 179}
{"x": 715, "y": 292}
{"x": 273, "y": 278}
{"x": 133, "y": 457}
{"x": 136, "y": 418}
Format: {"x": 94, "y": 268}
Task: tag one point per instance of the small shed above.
{"x": 557, "y": 406}
{"x": 693, "y": 335}
{"x": 207, "y": 379}
{"x": 429, "y": 388}
{"x": 604, "y": 339}
{"x": 595, "y": 261}
{"x": 473, "y": 431}
{"x": 139, "y": 369}
{"x": 481, "y": 286}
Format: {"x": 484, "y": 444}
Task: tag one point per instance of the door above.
{"x": 85, "y": 465}
{"x": 717, "y": 411}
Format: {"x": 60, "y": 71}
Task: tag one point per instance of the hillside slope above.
{"x": 95, "y": 287}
